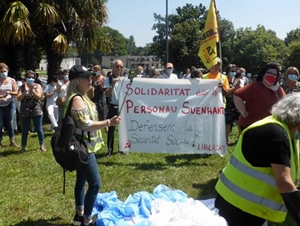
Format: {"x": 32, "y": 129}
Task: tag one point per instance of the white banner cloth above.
{"x": 172, "y": 116}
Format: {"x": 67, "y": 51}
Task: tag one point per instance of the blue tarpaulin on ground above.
{"x": 137, "y": 209}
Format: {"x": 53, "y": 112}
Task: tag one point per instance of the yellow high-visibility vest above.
{"x": 253, "y": 189}
{"x": 95, "y": 142}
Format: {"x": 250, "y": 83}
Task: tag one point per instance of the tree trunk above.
{"x": 53, "y": 60}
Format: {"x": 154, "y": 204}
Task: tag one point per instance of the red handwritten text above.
{"x": 201, "y": 110}
{"x": 158, "y": 92}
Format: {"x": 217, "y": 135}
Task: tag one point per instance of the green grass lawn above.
{"x": 31, "y": 182}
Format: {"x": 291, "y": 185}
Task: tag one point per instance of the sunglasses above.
{"x": 119, "y": 66}
{"x": 30, "y": 77}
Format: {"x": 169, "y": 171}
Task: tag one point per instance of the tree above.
{"x": 292, "y": 41}
{"x": 184, "y": 34}
{"x": 293, "y": 35}
{"x": 119, "y": 42}
{"x": 254, "y": 48}
{"x": 293, "y": 58}
{"x": 131, "y": 47}
{"x": 227, "y": 35}
{"x": 48, "y": 26}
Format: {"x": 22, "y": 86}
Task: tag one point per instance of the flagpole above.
{"x": 167, "y": 33}
{"x": 219, "y": 33}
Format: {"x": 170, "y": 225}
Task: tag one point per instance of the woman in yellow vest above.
{"x": 85, "y": 115}
{"x": 259, "y": 181}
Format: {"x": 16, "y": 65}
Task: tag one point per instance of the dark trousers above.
{"x": 113, "y": 110}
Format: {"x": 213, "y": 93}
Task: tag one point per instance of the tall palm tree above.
{"x": 49, "y": 26}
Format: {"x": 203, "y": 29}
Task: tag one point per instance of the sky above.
{"x": 135, "y": 17}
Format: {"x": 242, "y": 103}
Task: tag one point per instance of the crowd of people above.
{"x": 265, "y": 111}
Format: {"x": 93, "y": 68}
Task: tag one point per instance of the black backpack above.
{"x": 69, "y": 151}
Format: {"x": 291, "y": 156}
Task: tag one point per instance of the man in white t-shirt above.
{"x": 169, "y": 74}
{"x": 112, "y": 91}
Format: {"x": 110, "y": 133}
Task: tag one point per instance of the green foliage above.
{"x": 294, "y": 56}
{"x": 118, "y": 40}
{"x": 254, "y": 48}
{"x": 184, "y": 34}
{"x": 245, "y": 47}
{"x": 47, "y": 27}
{"x": 293, "y": 35}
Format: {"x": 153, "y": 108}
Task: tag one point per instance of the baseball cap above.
{"x": 219, "y": 60}
{"x": 79, "y": 71}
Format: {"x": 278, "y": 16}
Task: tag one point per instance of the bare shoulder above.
{"x": 78, "y": 103}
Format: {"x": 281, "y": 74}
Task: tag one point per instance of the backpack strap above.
{"x": 64, "y": 183}
{"x": 68, "y": 112}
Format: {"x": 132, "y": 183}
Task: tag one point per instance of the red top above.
{"x": 258, "y": 101}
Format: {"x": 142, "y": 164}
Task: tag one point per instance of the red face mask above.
{"x": 271, "y": 79}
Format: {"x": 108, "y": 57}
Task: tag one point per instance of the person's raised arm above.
{"x": 37, "y": 91}
{"x": 78, "y": 104}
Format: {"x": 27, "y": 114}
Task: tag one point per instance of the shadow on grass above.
{"x": 139, "y": 166}
{"x": 17, "y": 151}
{"x": 41, "y": 222}
{"x": 171, "y": 160}
{"x": 46, "y": 134}
{"x": 207, "y": 190}
{"x": 186, "y": 157}
{"x": 8, "y": 152}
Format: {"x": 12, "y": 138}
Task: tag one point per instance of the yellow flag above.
{"x": 208, "y": 46}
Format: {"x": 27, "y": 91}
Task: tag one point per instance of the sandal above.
{"x": 43, "y": 149}
{"x": 13, "y": 144}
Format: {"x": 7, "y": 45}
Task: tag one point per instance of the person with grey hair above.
{"x": 259, "y": 182}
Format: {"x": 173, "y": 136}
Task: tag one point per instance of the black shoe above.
{"x": 77, "y": 220}
{"x": 122, "y": 153}
{"x": 108, "y": 154}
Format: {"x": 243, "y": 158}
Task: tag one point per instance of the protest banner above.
{"x": 172, "y": 116}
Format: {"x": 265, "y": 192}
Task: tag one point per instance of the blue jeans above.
{"x": 37, "y": 122}
{"x": 87, "y": 173}
{"x": 6, "y": 118}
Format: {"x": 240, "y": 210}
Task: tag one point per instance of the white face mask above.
{"x": 3, "y": 74}
{"x": 66, "y": 77}
{"x": 169, "y": 71}
{"x": 274, "y": 87}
